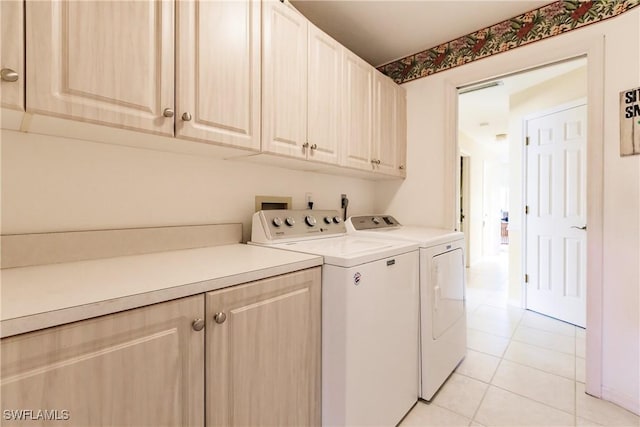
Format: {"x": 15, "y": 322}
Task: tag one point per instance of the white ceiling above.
{"x": 382, "y": 31}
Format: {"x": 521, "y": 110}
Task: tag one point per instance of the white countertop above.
{"x": 48, "y": 295}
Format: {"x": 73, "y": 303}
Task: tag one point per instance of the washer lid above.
{"x": 349, "y": 251}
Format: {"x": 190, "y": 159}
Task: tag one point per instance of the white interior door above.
{"x": 556, "y": 199}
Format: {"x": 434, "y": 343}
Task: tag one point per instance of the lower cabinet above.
{"x": 143, "y": 367}
{"x": 263, "y": 352}
{"x": 147, "y": 366}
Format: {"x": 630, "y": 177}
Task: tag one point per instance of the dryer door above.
{"x": 447, "y": 278}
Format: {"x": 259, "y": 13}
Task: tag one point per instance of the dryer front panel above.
{"x": 447, "y": 287}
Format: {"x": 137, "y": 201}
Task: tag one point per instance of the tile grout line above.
{"x": 473, "y": 418}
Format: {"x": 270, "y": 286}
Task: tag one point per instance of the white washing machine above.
{"x": 443, "y": 329}
{"x": 369, "y": 314}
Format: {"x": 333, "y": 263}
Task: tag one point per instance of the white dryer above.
{"x": 443, "y": 331}
{"x": 369, "y": 314}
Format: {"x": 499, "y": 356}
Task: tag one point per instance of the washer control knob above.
{"x": 290, "y": 221}
{"x": 277, "y": 221}
{"x": 327, "y": 220}
{"x": 337, "y": 219}
{"x": 311, "y": 221}
{"x": 375, "y": 220}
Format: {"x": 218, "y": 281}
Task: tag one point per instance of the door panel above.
{"x": 325, "y": 95}
{"x": 556, "y": 195}
{"x": 358, "y": 112}
{"x": 12, "y": 52}
{"x": 284, "y": 80}
{"x": 218, "y": 72}
{"x": 386, "y": 115}
{"x": 142, "y": 367}
{"x": 448, "y": 290}
{"x": 102, "y": 62}
{"x": 263, "y": 360}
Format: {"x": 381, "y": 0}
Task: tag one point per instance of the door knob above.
{"x": 8, "y": 75}
{"x": 168, "y": 112}
{"x": 197, "y": 324}
{"x": 220, "y": 317}
{"x": 584, "y": 227}
{"x": 186, "y": 117}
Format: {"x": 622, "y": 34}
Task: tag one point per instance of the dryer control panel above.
{"x": 372, "y": 222}
{"x": 289, "y": 224}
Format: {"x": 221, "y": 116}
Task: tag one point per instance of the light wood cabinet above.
{"x": 324, "y": 127}
{"x": 375, "y": 115}
{"x": 103, "y": 62}
{"x": 263, "y": 358}
{"x": 358, "y": 112}
{"x": 388, "y": 154}
{"x": 218, "y": 72}
{"x": 284, "y": 80}
{"x": 143, "y": 367}
{"x": 151, "y": 366}
{"x": 12, "y": 54}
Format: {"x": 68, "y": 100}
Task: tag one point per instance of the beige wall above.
{"x": 552, "y": 93}
{"x": 58, "y": 184}
{"x": 428, "y": 195}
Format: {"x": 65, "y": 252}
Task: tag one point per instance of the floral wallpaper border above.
{"x": 547, "y": 21}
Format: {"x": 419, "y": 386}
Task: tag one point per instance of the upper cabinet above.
{"x": 284, "y": 80}
{"x": 12, "y": 54}
{"x": 389, "y": 142}
{"x": 218, "y": 72}
{"x": 375, "y": 113}
{"x": 324, "y": 126}
{"x": 302, "y": 87}
{"x": 246, "y": 74}
{"x": 102, "y": 62}
{"x": 358, "y": 112}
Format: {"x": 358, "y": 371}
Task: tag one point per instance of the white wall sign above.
{"x": 630, "y": 122}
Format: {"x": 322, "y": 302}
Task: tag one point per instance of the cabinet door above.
{"x": 358, "y": 101}
{"x": 12, "y": 53}
{"x": 401, "y": 131}
{"x": 143, "y": 367}
{"x": 108, "y": 62}
{"x": 324, "y": 132}
{"x": 218, "y": 72}
{"x": 385, "y": 152}
{"x": 263, "y": 360}
{"x": 284, "y": 80}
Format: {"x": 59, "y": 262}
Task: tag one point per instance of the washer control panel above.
{"x": 369, "y": 222}
{"x": 271, "y": 225}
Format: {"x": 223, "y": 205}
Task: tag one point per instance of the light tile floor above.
{"x": 521, "y": 368}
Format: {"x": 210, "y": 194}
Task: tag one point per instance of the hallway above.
{"x": 521, "y": 368}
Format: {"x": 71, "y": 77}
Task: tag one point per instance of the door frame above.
{"x": 465, "y": 193}
{"x": 528, "y": 57}
{"x": 523, "y": 217}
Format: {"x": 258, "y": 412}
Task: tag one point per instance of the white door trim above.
{"x": 523, "y": 218}
{"x": 531, "y": 56}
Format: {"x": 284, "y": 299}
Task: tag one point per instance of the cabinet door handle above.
{"x": 220, "y": 317}
{"x": 197, "y": 324}
{"x": 305, "y": 145}
{"x": 314, "y": 146}
{"x": 584, "y": 227}
{"x": 168, "y": 112}
{"x": 186, "y": 116}
{"x": 401, "y": 167}
{"x": 8, "y": 75}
